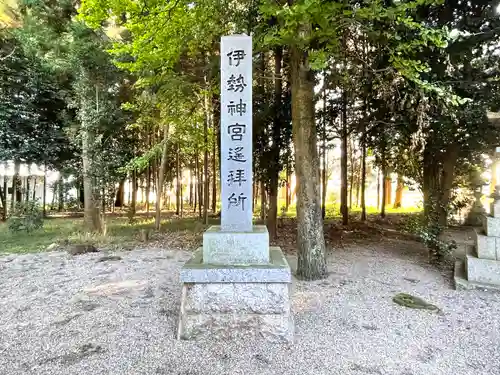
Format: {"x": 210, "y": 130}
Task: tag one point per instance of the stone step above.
{"x": 479, "y": 270}
{"x": 487, "y": 247}
{"x": 461, "y": 282}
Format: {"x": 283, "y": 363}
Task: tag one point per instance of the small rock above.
{"x": 66, "y": 319}
{"x": 89, "y": 306}
{"x": 261, "y": 358}
{"x": 52, "y": 246}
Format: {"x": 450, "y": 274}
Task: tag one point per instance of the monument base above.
{"x": 236, "y": 301}
{"x": 477, "y": 273}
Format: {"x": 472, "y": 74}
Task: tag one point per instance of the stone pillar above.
{"x": 235, "y": 285}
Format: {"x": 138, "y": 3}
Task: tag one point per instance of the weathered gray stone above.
{"x": 495, "y": 209}
{"x": 236, "y": 135}
{"x": 272, "y": 327}
{"x": 461, "y": 282}
{"x": 236, "y": 247}
{"x": 482, "y": 270}
{"x": 486, "y": 246}
{"x": 276, "y": 271}
{"x": 491, "y": 226}
{"x": 258, "y": 298}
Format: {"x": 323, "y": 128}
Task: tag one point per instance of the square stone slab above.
{"x": 482, "y": 270}
{"x": 276, "y": 271}
{"x": 491, "y": 226}
{"x": 486, "y": 246}
{"x": 236, "y": 247}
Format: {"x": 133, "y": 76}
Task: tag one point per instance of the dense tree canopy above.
{"x": 131, "y": 88}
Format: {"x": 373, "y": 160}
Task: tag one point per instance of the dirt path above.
{"x": 74, "y": 315}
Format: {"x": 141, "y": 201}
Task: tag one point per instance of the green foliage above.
{"x": 431, "y": 236}
{"x": 33, "y": 115}
{"x": 26, "y": 217}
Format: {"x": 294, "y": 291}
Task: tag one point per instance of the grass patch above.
{"x": 120, "y": 232}
{"x": 333, "y": 211}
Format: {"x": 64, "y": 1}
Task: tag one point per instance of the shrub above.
{"x": 26, "y": 216}
{"x": 430, "y": 235}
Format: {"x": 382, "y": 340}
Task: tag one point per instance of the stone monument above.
{"x": 481, "y": 266}
{"x": 235, "y": 285}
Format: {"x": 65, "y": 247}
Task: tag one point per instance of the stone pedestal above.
{"x": 481, "y": 266}
{"x": 236, "y": 286}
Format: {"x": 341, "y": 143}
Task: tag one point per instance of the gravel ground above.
{"x": 74, "y": 315}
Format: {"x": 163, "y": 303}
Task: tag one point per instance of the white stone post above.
{"x": 236, "y": 133}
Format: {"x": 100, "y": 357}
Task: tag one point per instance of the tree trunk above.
{"x": 178, "y": 182}
{"x": 161, "y": 178}
{"x": 351, "y": 182}
{"x": 399, "y": 192}
{"x": 287, "y": 202}
{"x": 344, "y": 210}
{"x": 388, "y": 188}
{"x": 195, "y": 187}
{"x": 34, "y": 189}
{"x": 384, "y": 188}
{"x": 15, "y": 185}
{"x": 255, "y": 194}
{"x": 272, "y": 216}
{"x": 133, "y": 204}
{"x": 200, "y": 191}
{"x": 191, "y": 187}
{"x": 206, "y": 188}
{"x": 28, "y": 178}
{"x": 3, "y": 198}
{"x": 92, "y": 216}
{"x": 323, "y": 172}
{"x": 44, "y": 194}
{"x": 148, "y": 188}
{"x": 363, "y": 177}
{"x": 214, "y": 175}
{"x": 310, "y": 239}
{"x": 120, "y": 194}
{"x": 180, "y": 195}
{"x": 60, "y": 190}
{"x": 263, "y": 202}
{"x": 450, "y": 158}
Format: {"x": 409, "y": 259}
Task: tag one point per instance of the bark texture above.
{"x": 92, "y": 215}
{"x": 310, "y": 238}
{"x": 275, "y": 166}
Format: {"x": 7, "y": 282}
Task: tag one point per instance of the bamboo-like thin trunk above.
{"x": 178, "y": 182}
{"x": 148, "y": 189}
{"x": 133, "y": 204}
{"x": 190, "y": 187}
{"x": 161, "y": 178}
{"x": 263, "y": 202}
{"x": 206, "y": 195}
{"x": 363, "y": 178}
{"x": 214, "y": 176}
{"x": 34, "y": 188}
